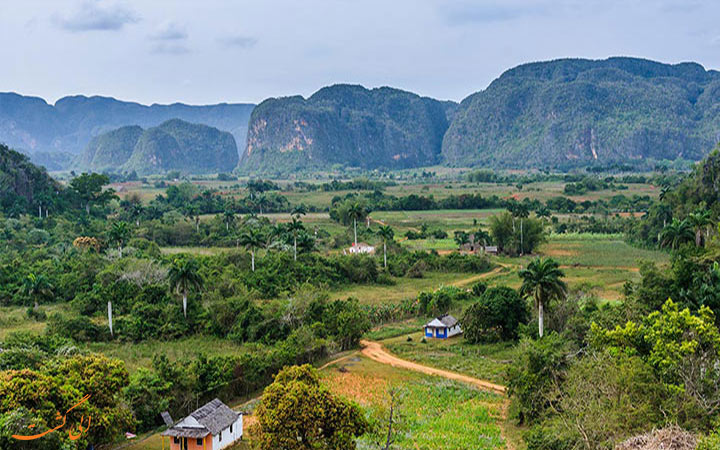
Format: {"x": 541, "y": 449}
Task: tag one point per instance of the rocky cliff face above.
{"x": 348, "y": 126}
{"x": 576, "y": 112}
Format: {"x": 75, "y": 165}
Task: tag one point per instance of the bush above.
{"x": 495, "y": 316}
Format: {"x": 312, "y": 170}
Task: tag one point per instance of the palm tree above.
{"x": 192, "y": 213}
{"x": 262, "y": 201}
{"x": 252, "y": 240}
{"x": 295, "y": 226}
{"x": 482, "y": 236}
{"x": 698, "y": 220}
{"x": 387, "y": 234}
{"x": 542, "y": 281}
{"x": 36, "y": 286}
{"x": 675, "y": 234}
{"x": 119, "y": 233}
{"x": 462, "y": 239}
{"x": 183, "y": 275}
{"x": 299, "y": 210}
{"x": 228, "y": 218}
{"x": 355, "y": 211}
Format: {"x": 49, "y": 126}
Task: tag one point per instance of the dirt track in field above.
{"x": 376, "y": 352}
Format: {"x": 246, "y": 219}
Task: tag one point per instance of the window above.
{"x": 199, "y": 441}
{"x": 231, "y": 428}
{"x": 220, "y": 436}
{"x": 176, "y": 440}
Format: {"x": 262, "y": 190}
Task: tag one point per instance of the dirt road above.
{"x": 376, "y": 352}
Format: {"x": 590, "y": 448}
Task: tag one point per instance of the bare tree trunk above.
{"x": 541, "y": 316}
{"x": 355, "y": 228}
{"x": 87, "y": 208}
{"x": 40, "y": 211}
{"x": 295, "y": 247}
{"x": 385, "y": 253}
{"x": 252, "y": 257}
{"x": 522, "y": 249}
{"x": 185, "y": 304}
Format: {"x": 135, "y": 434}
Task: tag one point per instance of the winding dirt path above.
{"x": 376, "y": 352}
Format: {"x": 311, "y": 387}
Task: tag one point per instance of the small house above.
{"x": 213, "y": 426}
{"x": 361, "y": 249}
{"x": 491, "y": 249}
{"x": 442, "y": 327}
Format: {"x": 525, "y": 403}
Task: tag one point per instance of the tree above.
{"x": 252, "y": 240}
{"x": 699, "y": 220}
{"x": 355, "y": 211}
{"x": 387, "y": 234}
{"x": 119, "y": 233}
{"x": 184, "y": 276}
{"x": 297, "y": 413}
{"x": 495, "y": 316}
{"x": 192, "y": 213}
{"x": 541, "y": 280}
{"x": 37, "y": 287}
{"x": 295, "y": 227}
{"x": 462, "y": 239}
{"x": 299, "y": 210}
{"x": 676, "y": 233}
{"x": 228, "y": 218}
{"x": 89, "y": 188}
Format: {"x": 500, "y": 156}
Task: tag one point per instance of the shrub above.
{"x": 495, "y": 316}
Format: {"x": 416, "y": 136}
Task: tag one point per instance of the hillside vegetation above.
{"x": 348, "y": 126}
{"x": 174, "y": 145}
{"x": 575, "y": 112}
{"x": 21, "y": 182}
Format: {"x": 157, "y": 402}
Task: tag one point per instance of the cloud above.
{"x": 97, "y": 15}
{"x": 462, "y": 13}
{"x": 238, "y": 41}
{"x": 169, "y": 31}
{"x": 170, "y": 49}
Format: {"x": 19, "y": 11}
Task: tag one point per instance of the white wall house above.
{"x": 442, "y": 327}
{"x": 213, "y": 426}
{"x": 361, "y": 248}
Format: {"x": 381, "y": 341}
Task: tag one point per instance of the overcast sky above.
{"x": 209, "y": 51}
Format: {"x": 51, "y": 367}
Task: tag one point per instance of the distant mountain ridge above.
{"x": 31, "y": 125}
{"x": 556, "y": 114}
{"x": 346, "y": 125}
{"x": 574, "y": 112}
{"x": 172, "y": 145}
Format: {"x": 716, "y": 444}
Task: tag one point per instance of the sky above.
{"x": 212, "y": 51}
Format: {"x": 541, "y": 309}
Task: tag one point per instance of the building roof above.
{"x": 443, "y": 321}
{"x": 211, "y": 418}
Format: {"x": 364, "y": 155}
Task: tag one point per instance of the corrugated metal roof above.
{"x": 214, "y": 417}
{"x": 442, "y": 321}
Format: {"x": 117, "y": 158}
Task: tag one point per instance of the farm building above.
{"x": 361, "y": 248}
{"x": 211, "y": 427}
{"x": 442, "y": 327}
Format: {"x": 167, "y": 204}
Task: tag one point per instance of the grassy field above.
{"x": 436, "y": 414}
{"x": 484, "y": 361}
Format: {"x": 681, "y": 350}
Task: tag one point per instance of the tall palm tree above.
{"x": 252, "y": 240}
{"x": 355, "y": 211}
{"x": 262, "y": 201}
{"x": 184, "y": 275}
{"x": 676, "y": 233}
{"x": 36, "y": 287}
{"x": 228, "y": 218}
{"x": 699, "y": 220}
{"x": 119, "y": 233}
{"x": 542, "y": 281}
{"x": 387, "y": 234}
{"x": 295, "y": 226}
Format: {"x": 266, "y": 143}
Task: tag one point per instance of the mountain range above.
{"x": 172, "y": 145}
{"x": 555, "y": 114}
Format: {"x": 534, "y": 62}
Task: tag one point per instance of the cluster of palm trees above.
{"x": 695, "y": 226}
